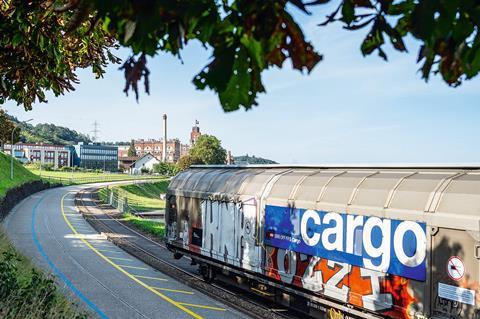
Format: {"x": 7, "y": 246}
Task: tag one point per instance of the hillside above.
{"x": 49, "y": 133}
{"x": 21, "y": 174}
{"x": 246, "y": 159}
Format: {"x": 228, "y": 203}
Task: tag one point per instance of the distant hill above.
{"x": 49, "y": 134}
{"x": 246, "y": 159}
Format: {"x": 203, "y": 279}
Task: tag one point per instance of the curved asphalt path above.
{"x": 109, "y": 282}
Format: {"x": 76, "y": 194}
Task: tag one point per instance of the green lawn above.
{"x": 152, "y": 227}
{"x": 87, "y": 177}
{"x": 140, "y": 197}
{"x": 21, "y": 175}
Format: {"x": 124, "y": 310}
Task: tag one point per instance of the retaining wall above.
{"x": 15, "y": 195}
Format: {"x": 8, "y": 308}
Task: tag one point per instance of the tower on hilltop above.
{"x": 195, "y": 133}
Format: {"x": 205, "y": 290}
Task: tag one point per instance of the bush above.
{"x": 33, "y": 165}
{"x": 47, "y": 167}
{"x": 65, "y": 168}
{"x": 27, "y": 293}
{"x": 145, "y": 170}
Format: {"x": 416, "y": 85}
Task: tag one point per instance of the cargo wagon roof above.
{"x": 441, "y": 196}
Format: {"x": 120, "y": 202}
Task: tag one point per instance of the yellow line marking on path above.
{"x": 141, "y": 283}
{"x": 153, "y": 278}
{"x": 202, "y": 306}
{"x": 132, "y": 267}
{"x": 173, "y": 290}
{"x": 118, "y": 258}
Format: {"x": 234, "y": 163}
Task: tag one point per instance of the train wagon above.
{"x": 336, "y": 242}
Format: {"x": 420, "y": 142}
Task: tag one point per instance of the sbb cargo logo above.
{"x": 387, "y": 245}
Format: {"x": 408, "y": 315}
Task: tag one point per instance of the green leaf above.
{"x": 237, "y": 92}
{"x": 254, "y": 48}
{"x": 373, "y": 40}
{"x": 423, "y": 19}
{"x": 401, "y": 8}
{"x": 217, "y": 74}
{"x": 106, "y": 23}
{"x": 348, "y": 11}
{"x": 17, "y": 39}
{"x": 41, "y": 42}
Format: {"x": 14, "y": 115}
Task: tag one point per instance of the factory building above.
{"x": 96, "y": 156}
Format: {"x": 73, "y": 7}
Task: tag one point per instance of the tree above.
{"x": 246, "y": 37}
{"x": 6, "y": 128}
{"x": 131, "y": 150}
{"x": 188, "y": 160}
{"x": 164, "y": 168}
{"x": 41, "y": 50}
{"x": 209, "y": 150}
{"x": 48, "y": 133}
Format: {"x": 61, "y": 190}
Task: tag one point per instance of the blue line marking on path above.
{"x": 57, "y": 271}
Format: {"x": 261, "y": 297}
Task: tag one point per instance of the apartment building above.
{"x": 56, "y": 155}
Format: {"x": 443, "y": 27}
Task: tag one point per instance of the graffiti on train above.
{"x": 387, "y": 294}
{"x": 386, "y": 245}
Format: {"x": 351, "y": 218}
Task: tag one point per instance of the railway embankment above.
{"x": 25, "y": 291}
{"x": 141, "y": 205}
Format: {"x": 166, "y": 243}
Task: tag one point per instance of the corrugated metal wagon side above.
{"x": 365, "y": 241}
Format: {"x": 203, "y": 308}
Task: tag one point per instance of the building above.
{"x": 123, "y": 151}
{"x": 175, "y": 149}
{"x": 184, "y": 148}
{"x": 55, "y": 155}
{"x": 96, "y": 156}
{"x": 155, "y": 147}
{"x": 195, "y": 133}
{"x": 144, "y": 163}
{"x": 124, "y": 163}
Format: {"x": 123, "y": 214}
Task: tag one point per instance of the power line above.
{"x": 95, "y": 131}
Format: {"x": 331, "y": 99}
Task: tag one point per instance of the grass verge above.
{"x": 140, "y": 197}
{"x": 25, "y": 292}
{"x": 69, "y": 178}
{"x": 152, "y": 227}
{"x": 20, "y": 174}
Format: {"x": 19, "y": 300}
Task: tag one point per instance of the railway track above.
{"x": 156, "y": 255}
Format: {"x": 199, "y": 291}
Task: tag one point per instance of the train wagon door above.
{"x": 246, "y": 248}
{"x": 210, "y": 219}
{"x": 455, "y": 275}
{"x": 226, "y": 242}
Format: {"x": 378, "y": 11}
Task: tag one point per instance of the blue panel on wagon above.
{"x": 392, "y": 246}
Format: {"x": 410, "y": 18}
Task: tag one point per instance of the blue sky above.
{"x": 350, "y": 109}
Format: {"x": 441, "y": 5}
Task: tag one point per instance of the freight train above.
{"x": 336, "y": 242}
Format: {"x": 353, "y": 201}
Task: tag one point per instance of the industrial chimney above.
{"x": 164, "y": 152}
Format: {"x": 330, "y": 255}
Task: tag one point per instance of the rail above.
{"x": 242, "y": 302}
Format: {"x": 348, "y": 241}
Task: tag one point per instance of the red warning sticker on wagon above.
{"x": 455, "y": 268}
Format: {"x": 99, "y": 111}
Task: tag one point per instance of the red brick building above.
{"x": 175, "y": 149}
{"x": 195, "y": 133}
{"x": 155, "y": 147}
